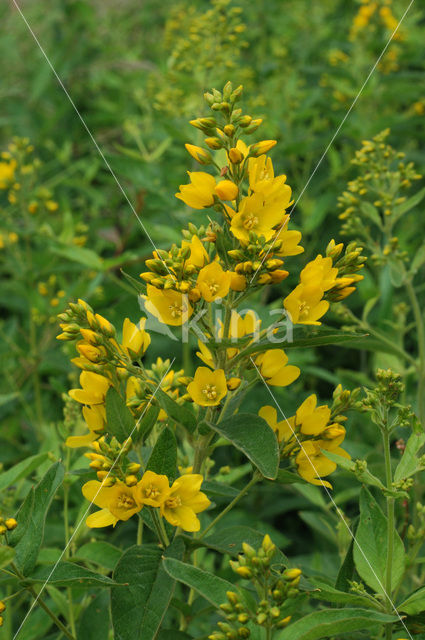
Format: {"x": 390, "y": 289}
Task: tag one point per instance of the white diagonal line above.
{"x": 90, "y": 505}
{"x": 83, "y": 122}
{"x": 341, "y": 124}
{"x": 338, "y": 511}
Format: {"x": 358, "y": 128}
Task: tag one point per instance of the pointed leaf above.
{"x": 177, "y": 412}
{"x": 414, "y": 604}
{"x": 253, "y": 436}
{"x": 69, "y": 574}
{"x": 210, "y": 586}
{"x": 119, "y": 419}
{"x": 410, "y": 463}
{"x": 94, "y": 621}
{"x": 163, "y": 459}
{"x": 6, "y": 555}
{"x": 21, "y": 470}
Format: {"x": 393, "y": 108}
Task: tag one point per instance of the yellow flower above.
{"x": 274, "y": 368}
{"x": 237, "y": 281}
{"x": 312, "y": 463}
{"x": 310, "y": 418}
{"x": 95, "y": 418}
{"x": 305, "y": 305}
{"x": 227, "y": 190}
{"x": 213, "y": 282}
{"x": 256, "y": 216}
{"x": 199, "y": 154}
{"x": 262, "y": 180}
{"x": 200, "y": 193}
{"x": 184, "y": 501}
{"x": 208, "y": 387}
{"x": 116, "y": 503}
{"x": 283, "y": 429}
{"x": 94, "y": 388}
{"x": 135, "y": 340}
{"x": 198, "y": 254}
{"x": 205, "y": 354}
{"x": 288, "y": 242}
{"x": 170, "y": 307}
{"x": 7, "y": 172}
{"x": 152, "y": 489}
{"x": 259, "y": 148}
{"x": 319, "y": 272}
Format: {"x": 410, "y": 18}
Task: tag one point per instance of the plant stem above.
{"x": 139, "y": 532}
{"x": 43, "y": 605}
{"x": 390, "y": 530}
{"x": 421, "y": 344}
{"x": 201, "y": 450}
{"x": 255, "y": 478}
{"x": 159, "y": 528}
{"x": 71, "y": 616}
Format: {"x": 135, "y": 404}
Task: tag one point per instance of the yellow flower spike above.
{"x": 305, "y": 304}
{"x": 169, "y": 307}
{"x": 94, "y": 388}
{"x": 152, "y": 489}
{"x": 208, "y": 387}
{"x": 200, "y": 193}
{"x": 184, "y": 501}
{"x": 227, "y": 190}
{"x": 135, "y": 340}
{"x": 200, "y": 155}
{"x": 284, "y": 429}
{"x": 259, "y": 148}
{"x": 213, "y": 282}
{"x": 116, "y": 503}
{"x": 274, "y": 368}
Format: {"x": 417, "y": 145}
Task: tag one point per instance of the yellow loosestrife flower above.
{"x": 213, "y": 282}
{"x": 305, "y": 305}
{"x": 199, "y": 154}
{"x": 208, "y": 387}
{"x": 274, "y": 368}
{"x": 116, "y": 503}
{"x": 227, "y": 190}
{"x": 319, "y": 272}
{"x": 198, "y": 254}
{"x": 152, "y": 489}
{"x": 312, "y": 463}
{"x": 200, "y": 193}
{"x": 7, "y": 172}
{"x": 257, "y": 216}
{"x": 289, "y": 243}
{"x": 310, "y": 418}
{"x": 169, "y": 306}
{"x": 184, "y": 501}
{"x": 135, "y": 340}
{"x": 95, "y": 418}
{"x": 94, "y": 388}
{"x": 282, "y": 429}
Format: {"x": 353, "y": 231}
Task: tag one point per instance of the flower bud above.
{"x": 11, "y": 524}
{"x": 235, "y": 155}
{"x": 214, "y": 143}
{"x": 291, "y": 574}
{"x": 200, "y": 155}
{"x": 245, "y": 121}
{"x": 229, "y": 130}
{"x": 244, "y": 572}
{"x": 227, "y": 190}
{"x": 259, "y": 148}
{"x": 2, "y": 606}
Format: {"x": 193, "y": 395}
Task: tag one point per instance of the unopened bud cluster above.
{"x": 7, "y": 524}
{"x": 276, "y": 589}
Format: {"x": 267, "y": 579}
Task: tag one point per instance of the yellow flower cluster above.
{"x": 306, "y": 436}
{"x": 178, "y": 504}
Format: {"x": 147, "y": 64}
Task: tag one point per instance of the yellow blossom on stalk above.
{"x": 152, "y": 489}
{"x": 7, "y": 172}
{"x": 205, "y": 355}
{"x": 313, "y": 465}
{"x": 169, "y": 306}
{"x": 94, "y": 388}
{"x": 319, "y": 272}
{"x": 198, "y": 254}
{"x": 305, "y": 304}
{"x": 184, "y": 501}
{"x": 116, "y": 503}
{"x": 262, "y": 180}
{"x": 227, "y": 190}
{"x": 208, "y": 387}
{"x": 259, "y": 148}
{"x": 200, "y": 155}
{"x": 256, "y": 216}
{"x": 237, "y": 281}
{"x": 213, "y": 282}
{"x": 309, "y": 418}
{"x": 282, "y": 428}
{"x": 135, "y": 340}
{"x": 200, "y": 193}
{"x": 274, "y": 368}
{"x": 288, "y": 243}
{"x": 89, "y": 351}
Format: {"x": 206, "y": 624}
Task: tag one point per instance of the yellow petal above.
{"x": 102, "y": 518}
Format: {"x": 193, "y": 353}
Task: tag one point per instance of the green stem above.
{"x": 201, "y": 450}
{"x": 159, "y": 528}
{"x": 255, "y": 478}
{"x": 43, "y": 605}
{"x": 421, "y": 344}
{"x": 390, "y": 531}
{"x": 71, "y": 616}
{"x": 139, "y": 532}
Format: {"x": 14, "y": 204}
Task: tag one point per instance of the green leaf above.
{"x": 372, "y": 213}
{"x": 414, "y": 604}
{"x": 163, "y": 459}
{"x": 82, "y": 255}
{"x": 330, "y": 622}
{"x": 119, "y": 419}
{"x": 138, "y": 285}
{"x": 94, "y": 621}
{"x": 215, "y": 489}
{"x": 363, "y": 475}
{"x": 410, "y": 463}
{"x": 289, "y": 477}
{"x": 69, "y": 574}
{"x": 28, "y": 535}
{"x": 252, "y": 435}
{"x": 323, "y": 338}
{"x": 138, "y": 611}
{"x": 21, "y": 470}
{"x": 329, "y": 593}
{"x": 6, "y": 555}
{"x": 230, "y": 539}
{"x": 368, "y": 307}
{"x": 146, "y": 424}
{"x": 404, "y": 207}
{"x": 346, "y": 571}
{"x": 101, "y": 553}
{"x": 177, "y": 412}
{"x": 370, "y": 548}
{"x": 397, "y": 271}
{"x": 208, "y": 585}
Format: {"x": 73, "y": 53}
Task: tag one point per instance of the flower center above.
{"x": 152, "y": 492}
{"x": 125, "y": 501}
{"x": 250, "y": 221}
{"x": 213, "y": 287}
{"x": 304, "y": 310}
{"x": 210, "y": 391}
{"x": 173, "y": 503}
{"x": 176, "y": 310}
